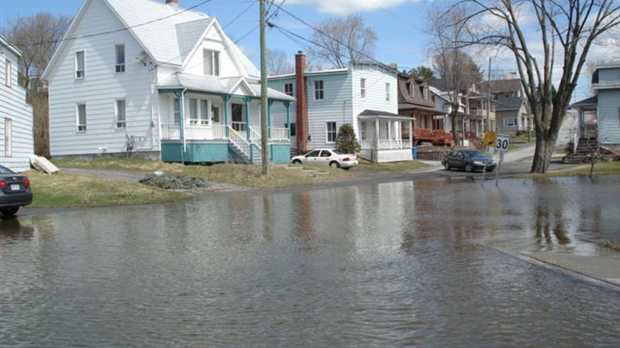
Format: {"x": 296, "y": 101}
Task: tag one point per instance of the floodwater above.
{"x": 386, "y": 265}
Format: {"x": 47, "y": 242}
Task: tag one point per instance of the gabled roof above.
{"x": 589, "y": 101}
{"x": 167, "y": 32}
{"x": 502, "y": 86}
{"x": 6, "y": 43}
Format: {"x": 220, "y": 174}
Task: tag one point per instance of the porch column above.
{"x": 247, "y": 119}
{"x": 378, "y": 130}
{"x": 411, "y": 133}
{"x": 226, "y": 99}
{"x": 269, "y": 104}
{"x": 179, "y": 96}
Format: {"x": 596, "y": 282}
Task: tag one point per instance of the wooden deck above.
{"x": 436, "y": 137}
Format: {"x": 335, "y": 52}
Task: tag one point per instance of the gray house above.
{"x": 16, "y": 139}
{"x": 599, "y": 116}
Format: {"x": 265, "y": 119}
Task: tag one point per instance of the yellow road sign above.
{"x": 490, "y": 138}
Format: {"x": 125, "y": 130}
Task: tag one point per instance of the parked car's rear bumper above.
{"x": 15, "y": 200}
{"x": 348, "y": 164}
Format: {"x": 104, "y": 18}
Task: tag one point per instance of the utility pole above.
{"x": 263, "y": 89}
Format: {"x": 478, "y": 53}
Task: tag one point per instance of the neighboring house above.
{"x": 512, "y": 108}
{"x": 16, "y": 139}
{"x": 150, "y": 79}
{"x": 416, "y": 100}
{"x": 363, "y": 95}
{"x": 599, "y": 116}
{"x": 476, "y": 114}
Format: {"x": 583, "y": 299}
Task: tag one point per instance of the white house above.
{"x": 363, "y": 95}
{"x": 16, "y": 139}
{"x": 150, "y": 79}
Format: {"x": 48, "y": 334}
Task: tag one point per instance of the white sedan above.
{"x": 328, "y": 157}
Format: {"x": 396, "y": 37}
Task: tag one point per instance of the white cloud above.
{"x": 344, "y": 7}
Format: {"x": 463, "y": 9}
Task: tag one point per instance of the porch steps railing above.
{"x": 244, "y": 149}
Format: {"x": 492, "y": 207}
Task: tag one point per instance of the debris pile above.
{"x": 172, "y": 181}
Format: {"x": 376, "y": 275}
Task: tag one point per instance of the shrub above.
{"x": 346, "y": 141}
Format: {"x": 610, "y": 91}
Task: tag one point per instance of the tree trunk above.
{"x": 545, "y": 144}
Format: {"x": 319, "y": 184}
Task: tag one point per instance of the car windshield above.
{"x": 472, "y": 154}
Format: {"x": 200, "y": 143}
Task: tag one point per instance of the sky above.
{"x": 399, "y": 25}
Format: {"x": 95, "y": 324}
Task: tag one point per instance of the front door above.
{"x": 238, "y": 123}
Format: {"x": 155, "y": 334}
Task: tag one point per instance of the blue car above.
{"x": 15, "y": 191}
{"x": 468, "y": 160}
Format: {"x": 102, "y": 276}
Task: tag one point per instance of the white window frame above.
{"x": 319, "y": 90}
{"x": 363, "y": 132}
{"x": 288, "y": 89}
{"x": 120, "y": 114}
{"x": 193, "y": 111}
{"x": 8, "y": 79}
{"x": 203, "y": 114}
{"x": 80, "y": 59}
{"x": 119, "y": 59}
{"x": 331, "y": 133}
{"x": 387, "y": 91}
{"x": 514, "y": 123}
{"x": 81, "y": 127}
{"x": 8, "y": 137}
{"x": 176, "y": 115}
{"x": 363, "y": 88}
{"x": 211, "y": 62}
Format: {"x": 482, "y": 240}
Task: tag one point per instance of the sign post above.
{"x": 490, "y": 141}
{"x": 503, "y": 140}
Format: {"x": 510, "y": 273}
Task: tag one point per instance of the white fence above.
{"x": 385, "y": 144}
{"x": 218, "y": 132}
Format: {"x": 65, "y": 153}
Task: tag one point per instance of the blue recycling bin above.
{"x": 414, "y": 152}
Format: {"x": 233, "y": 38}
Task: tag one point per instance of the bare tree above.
{"x": 456, "y": 68}
{"x": 278, "y": 63}
{"x": 339, "y": 41}
{"x": 566, "y": 31}
{"x": 37, "y": 37}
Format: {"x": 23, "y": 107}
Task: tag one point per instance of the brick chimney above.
{"x": 302, "y": 103}
{"x": 172, "y": 1}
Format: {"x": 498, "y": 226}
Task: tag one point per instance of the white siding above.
{"x": 609, "y": 117}
{"x": 13, "y": 106}
{"x": 213, "y": 41}
{"x": 99, "y": 90}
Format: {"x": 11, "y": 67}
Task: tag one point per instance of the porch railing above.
{"x": 218, "y": 132}
{"x": 386, "y": 144}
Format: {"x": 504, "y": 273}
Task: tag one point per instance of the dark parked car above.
{"x": 15, "y": 191}
{"x": 468, "y": 160}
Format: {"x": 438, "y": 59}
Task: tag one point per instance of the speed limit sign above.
{"x": 503, "y": 140}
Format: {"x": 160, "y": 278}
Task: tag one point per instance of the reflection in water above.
{"x": 388, "y": 265}
{"x": 11, "y": 228}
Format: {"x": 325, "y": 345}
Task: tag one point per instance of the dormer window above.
{"x": 409, "y": 90}
{"x": 120, "y": 58}
{"x": 211, "y": 61}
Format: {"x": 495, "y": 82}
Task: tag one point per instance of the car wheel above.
{"x": 490, "y": 169}
{"x": 296, "y": 161}
{"x": 446, "y": 165}
{"x": 468, "y": 167}
{"x": 10, "y": 211}
{"x": 334, "y": 164}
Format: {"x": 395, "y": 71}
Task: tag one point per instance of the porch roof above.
{"x": 411, "y": 107}
{"x": 219, "y": 86}
{"x": 383, "y": 115}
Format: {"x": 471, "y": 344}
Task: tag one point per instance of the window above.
{"x": 193, "y": 111}
{"x": 363, "y": 88}
{"x": 119, "y": 111}
{"x": 331, "y": 132}
{"x": 80, "y": 71}
{"x": 288, "y": 89}
{"x": 81, "y": 117}
{"x": 510, "y": 122}
{"x": 120, "y": 58}
{"x": 177, "y": 115}
{"x": 409, "y": 90}
{"x": 211, "y": 61}
{"x": 216, "y": 114}
{"x": 8, "y": 77}
{"x": 387, "y": 92}
{"x": 204, "y": 112}
{"x": 318, "y": 90}
{"x": 363, "y": 130}
{"x": 293, "y": 129}
{"x": 8, "y": 137}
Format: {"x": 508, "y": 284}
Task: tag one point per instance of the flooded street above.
{"x": 387, "y": 265}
